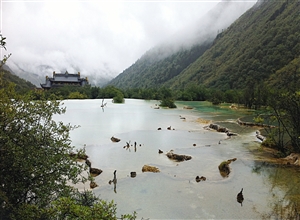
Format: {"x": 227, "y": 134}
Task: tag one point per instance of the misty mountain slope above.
{"x": 20, "y": 83}
{"x": 262, "y": 45}
{"x": 27, "y": 75}
{"x": 37, "y": 74}
{"x": 147, "y": 72}
{"x": 169, "y": 59}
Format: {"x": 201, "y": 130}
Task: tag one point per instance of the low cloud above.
{"x": 94, "y": 37}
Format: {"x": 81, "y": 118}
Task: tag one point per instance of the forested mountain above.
{"x": 8, "y": 77}
{"x": 152, "y": 72}
{"x": 260, "y": 46}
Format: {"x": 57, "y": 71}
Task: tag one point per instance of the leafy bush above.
{"x": 119, "y": 98}
{"x": 167, "y": 103}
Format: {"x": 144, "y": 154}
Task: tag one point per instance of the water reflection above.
{"x": 114, "y": 181}
{"x": 128, "y": 145}
{"x": 103, "y": 105}
{"x": 285, "y": 205}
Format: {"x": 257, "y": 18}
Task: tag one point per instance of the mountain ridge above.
{"x": 257, "y": 45}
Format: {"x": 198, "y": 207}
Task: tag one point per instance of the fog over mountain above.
{"x": 102, "y": 38}
{"x": 201, "y": 30}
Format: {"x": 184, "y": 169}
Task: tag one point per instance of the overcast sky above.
{"x": 90, "y": 36}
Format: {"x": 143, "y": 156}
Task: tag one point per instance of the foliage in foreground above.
{"x": 35, "y": 163}
{"x": 36, "y": 166}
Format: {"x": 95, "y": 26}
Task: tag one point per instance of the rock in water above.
{"x": 147, "y": 168}
{"x": 178, "y": 157}
{"x": 93, "y": 185}
{"x": 95, "y": 171}
{"x": 133, "y": 174}
{"x": 114, "y": 139}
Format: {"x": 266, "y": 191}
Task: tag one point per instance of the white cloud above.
{"x": 91, "y": 36}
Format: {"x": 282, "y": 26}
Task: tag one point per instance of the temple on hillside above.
{"x": 62, "y": 79}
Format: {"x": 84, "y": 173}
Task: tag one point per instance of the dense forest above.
{"x": 261, "y": 46}
{"x": 151, "y": 71}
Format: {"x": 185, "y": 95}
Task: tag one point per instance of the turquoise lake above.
{"x": 173, "y": 193}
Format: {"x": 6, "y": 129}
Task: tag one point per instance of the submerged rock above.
{"x": 147, "y": 168}
{"x": 178, "y": 157}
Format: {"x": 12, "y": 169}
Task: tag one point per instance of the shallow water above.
{"x": 173, "y": 193}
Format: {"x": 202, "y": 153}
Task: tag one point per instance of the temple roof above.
{"x": 64, "y": 78}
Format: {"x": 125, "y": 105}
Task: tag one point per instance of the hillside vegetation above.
{"x": 262, "y": 46}
{"x": 153, "y": 72}
{"x": 21, "y": 84}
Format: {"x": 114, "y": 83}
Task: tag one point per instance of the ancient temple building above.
{"x": 62, "y": 79}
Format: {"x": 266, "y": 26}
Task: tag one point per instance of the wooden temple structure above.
{"x": 62, "y": 79}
